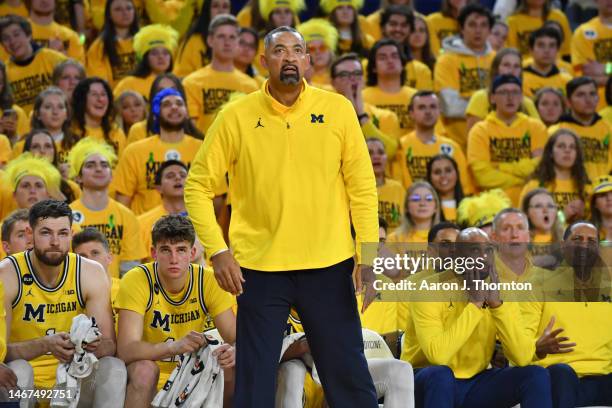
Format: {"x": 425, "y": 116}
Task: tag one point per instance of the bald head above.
{"x": 472, "y": 235}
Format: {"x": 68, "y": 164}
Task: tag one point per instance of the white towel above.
{"x": 68, "y": 376}
{"x": 306, "y": 358}
{"x": 196, "y": 382}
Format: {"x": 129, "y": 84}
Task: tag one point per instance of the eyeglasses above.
{"x": 349, "y": 74}
{"x": 551, "y": 207}
{"x": 513, "y": 94}
{"x": 317, "y": 48}
{"x": 415, "y": 198}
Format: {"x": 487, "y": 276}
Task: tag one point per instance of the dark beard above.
{"x": 42, "y": 257}
{"x": 170, "y": 127}
{"x": 290, "y": 79}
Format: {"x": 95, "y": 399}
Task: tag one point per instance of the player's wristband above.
{"x": 608, "y": 68}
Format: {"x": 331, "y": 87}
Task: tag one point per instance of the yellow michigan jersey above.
{"x": 39, "y": 310}
{"x": 168, "y": 316}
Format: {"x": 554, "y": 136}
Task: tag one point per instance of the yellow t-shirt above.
{"x": 135, "y": 172}
{"x": 395, "y": 102}
{"x": 98, "y": 64}
{"x": 27, "y": 81}
{"x": 137, "y": 132}
{"x": 413, "y": 155}
{"x": 391, "y": 203}
{"x": 450, "y": 212}
{"x": 520, "y": 26}
{"x": 500, "y": 156}
{"x": 20, "y": 10}
{"x": 116, "y": 137}
{"x": 419, "y": 76}
{"x": 136, "y": 84}
{"x": 440, "y": 27}
{"x": 533, "y": 80}
{"x": 595, "y": 144}
{"x": 120, "y": 227}
{"x": 39, "y": 310}
{"x": 563, "y": 65}
{"x": 244, "y": 16}
{"x": 5, "y": 150}
{"x": 178, "y": 15}
{"x": 465, "y": 74}
{"x": 168, "y": 316}
{"x": 7, "y": 202}
{"x": 606, "y": 114}
{"x": 207, "y": 90}
{"x": 146, "y": 221}
{"x": 563, "y": 191}
{"x": 42, "y": 34}
{"x": 480, "y": 107}
{"x": 191, "y": 56}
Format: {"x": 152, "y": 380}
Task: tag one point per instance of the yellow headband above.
{"x": 155, "y": 35}
{"x": 26, "y": 164}
{"x": 478, "y": 211}
{"x": 603, "y": 185}
{"x": 85, "y": 148}
{"x": 319, "y": 29}
{"x": 266, "y": 7}
{"x": 330, "y": 5}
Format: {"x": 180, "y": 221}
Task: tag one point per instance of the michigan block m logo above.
{"x": 38, "y": 314}
{"x": 159, "y": 321}
{"x": 316, "y": 118}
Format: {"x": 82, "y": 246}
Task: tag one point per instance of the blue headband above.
{"x": 156, "y": 104}
{"x": 505, "y": 79}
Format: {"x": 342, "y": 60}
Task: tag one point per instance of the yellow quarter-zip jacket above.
{"x": 294, "y": 174}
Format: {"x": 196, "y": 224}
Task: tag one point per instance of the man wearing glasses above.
{"x": 503, "y": 149}
{"x": 347, "y": 79}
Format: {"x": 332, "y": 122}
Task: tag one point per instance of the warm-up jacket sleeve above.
{"x": 206, "y": 174}
{"x": 440, "y": 344}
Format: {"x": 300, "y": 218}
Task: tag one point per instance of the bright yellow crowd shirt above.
{"x": 207, "y": 90}
{"x": 136, "y": 84}
{"x": 500, "y": 156}
{"x": 191, "y": 56}
{"x": 533, "y": 80}
{"x": 99, "y": 64}
{"x": 120, "y": 227}
{"x": 146, "y": 222}
{"x": 168, "y": 316}
{"x": 595, "y": 140}
{"x": 391, "y": 203}
{"x": 42, "y": 34}
{"x": 520, "y": 27}
{"x": 395, "y": 102}
{"x": 480, "y": 106}
{"x": 563, "y": 191}
{"x": 27, "y": 81}
{"x": 135, "y": 173}
{"x": 440, "y": 27}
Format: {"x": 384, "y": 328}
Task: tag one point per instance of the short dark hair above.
{"x": 419, "y": 94}
{"x": 394, "y": 9}
{"x": 11, "y": 19}
{"x": 433, "y": 231}
{"x": 351, "y": 56}
{"x": 89, "y": 234}
{"x": 510, "y": 210}
{"x": 8, "y": 224}
{"x": 173, "y": 228}
{"x": 568, "y": 230}
{"x": 545, "y": 31}
{"x": 475, "y": 8}
{"x": 49, "y": 209}
{"x": 282, "y": 29}
{"x": 372, "y": 78}
{"x": 221, "y": 20}
{"x": 160, "y": 172}
{"x": 576, "y": 83}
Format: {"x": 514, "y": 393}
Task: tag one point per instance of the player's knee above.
{"x": 561, "y": 372}
{"x": 402, "y": 374}
{"x": 24, "y": 373}
{"x": 111, "y": 370}
{"x": 143, "y": 374}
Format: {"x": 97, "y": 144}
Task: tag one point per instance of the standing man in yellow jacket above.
{"x": 463, "y": 68}
{"x": 298, "y": 165}
{"x": 503, "y": 149}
